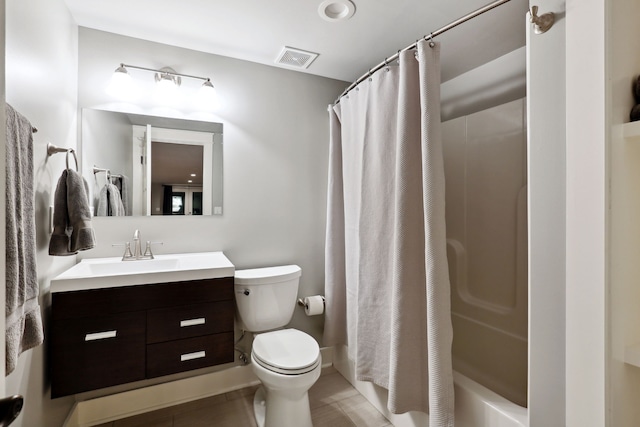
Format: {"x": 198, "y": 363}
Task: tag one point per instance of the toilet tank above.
{"x": 266, "y": 297}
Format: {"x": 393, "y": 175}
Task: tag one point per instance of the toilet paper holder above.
{"x": 302, "y": 304}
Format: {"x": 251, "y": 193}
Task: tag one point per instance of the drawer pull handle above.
{"x": 192, "y": 322}
{"x": 191, "y": 356}
{"x": 100, "y": 335}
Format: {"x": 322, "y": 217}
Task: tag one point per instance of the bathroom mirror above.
{"x": 151, "y": 165}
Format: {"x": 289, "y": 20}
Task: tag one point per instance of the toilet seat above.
{"x": 287, "y": 351}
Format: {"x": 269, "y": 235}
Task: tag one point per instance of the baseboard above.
{"x": 113, "y": 407}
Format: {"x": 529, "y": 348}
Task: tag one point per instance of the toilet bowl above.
{"x": 286, "y": 361}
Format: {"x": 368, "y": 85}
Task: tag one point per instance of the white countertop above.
{"x": 97, "y": 273}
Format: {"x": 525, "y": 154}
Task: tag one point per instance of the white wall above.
{"x": 546, "y": 193}
{"x": 41, "y": 75}
{"x": 586, "y": 245}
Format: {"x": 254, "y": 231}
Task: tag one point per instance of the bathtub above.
{"x": 476, "y": 405}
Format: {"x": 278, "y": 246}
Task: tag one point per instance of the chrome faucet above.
{"x": 136, "y": 244}
{"x": 137, "y": 249}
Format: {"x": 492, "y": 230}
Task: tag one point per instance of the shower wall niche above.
{"x": 486, "y": 197}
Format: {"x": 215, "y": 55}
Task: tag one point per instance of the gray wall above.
{"x": 275, "y": 159}
{"x": 109, "y": 147}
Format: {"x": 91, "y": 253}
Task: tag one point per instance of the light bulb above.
{"x": 121, "y": 85}
{"x": 207, "y": 97}
{"x": 166, "y": 89}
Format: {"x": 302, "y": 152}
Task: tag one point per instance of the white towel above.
{"x": 122, "y": 183}
{"x": 110, "y": 202}
{"x": 23, "y": 318}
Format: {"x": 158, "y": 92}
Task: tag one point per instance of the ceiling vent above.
{"x": 295, "y": 58}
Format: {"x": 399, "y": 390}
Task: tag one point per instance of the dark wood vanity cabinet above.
{"x": 109, "y": 336}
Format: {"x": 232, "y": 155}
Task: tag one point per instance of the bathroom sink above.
{"x": 93, "y": 273}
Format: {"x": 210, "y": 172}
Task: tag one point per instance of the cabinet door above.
{"x": 92, "y": 353}
{"x": 189, "y": 321}
{"x": 191, "y": 353}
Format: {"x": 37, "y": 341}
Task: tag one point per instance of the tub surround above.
{"x": 476, "y": 405}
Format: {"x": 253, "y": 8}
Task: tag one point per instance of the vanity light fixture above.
{"x": 167, "y": 78}
{"x": 166, "y": 74}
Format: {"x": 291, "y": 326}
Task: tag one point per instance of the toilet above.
{"x": 287, "y": 361}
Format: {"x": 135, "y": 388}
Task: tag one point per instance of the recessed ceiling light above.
{"x": 193, "y": 174}
{"x": 189, "y": 180}
{"x": 336, "y": 10}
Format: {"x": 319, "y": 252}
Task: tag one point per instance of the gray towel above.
{"x": 82, "y": 236}
{"x": 59, "y": 241}
{"x": 23, "y": 318}
{"x": 110, "y": 202}
{"x": 122, "y": 182}
{"x": 72, "y": 231}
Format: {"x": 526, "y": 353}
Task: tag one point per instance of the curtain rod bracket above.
{"x": 541, "y": 24}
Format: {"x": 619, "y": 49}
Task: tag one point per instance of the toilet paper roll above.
{"x": 314, "y": 305}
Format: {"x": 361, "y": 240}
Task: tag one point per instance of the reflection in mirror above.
{"x": 149, "y": 165}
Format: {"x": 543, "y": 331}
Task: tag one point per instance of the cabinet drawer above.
{"x": 189, "y": 321}
{"x": 99, "y": 352}
{"x": 106, "y": 301}
{"x": 187, "y": 354}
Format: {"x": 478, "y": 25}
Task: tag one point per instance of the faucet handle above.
{"x": 127, "y": 250}
{"x": 147, "y": 251}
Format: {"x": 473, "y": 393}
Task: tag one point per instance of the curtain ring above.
{"x": 370, "y": 74}
{"x": 431, "y": 42}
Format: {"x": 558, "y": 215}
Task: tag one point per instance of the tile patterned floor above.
{"x": 334, "y": 403}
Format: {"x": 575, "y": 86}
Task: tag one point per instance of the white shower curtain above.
{"x": 387, "y": 280}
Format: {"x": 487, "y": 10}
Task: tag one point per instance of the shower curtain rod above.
{"x": 430, "y": 36}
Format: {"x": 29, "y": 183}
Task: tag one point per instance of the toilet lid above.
{"x": 286, "y": 351}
